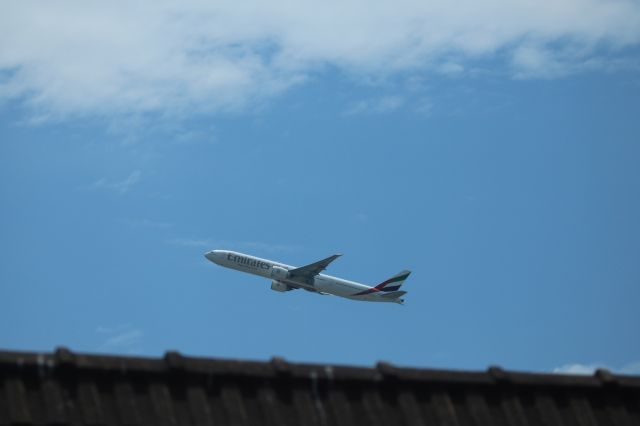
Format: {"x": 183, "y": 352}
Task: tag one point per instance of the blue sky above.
{"x": 496, "y": 159}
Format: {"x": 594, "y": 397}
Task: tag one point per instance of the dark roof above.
{"x": 76, "y": 389}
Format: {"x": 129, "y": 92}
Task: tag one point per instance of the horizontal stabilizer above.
{"x": 393, "y": 294}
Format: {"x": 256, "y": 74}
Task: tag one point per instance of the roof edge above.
{"x": 65, "y": 359}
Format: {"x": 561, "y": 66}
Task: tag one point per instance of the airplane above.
{"x": 309, "y": 277}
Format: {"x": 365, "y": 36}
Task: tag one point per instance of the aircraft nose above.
{"x": 210, "y": 255}
{"x": 214, "y": 255}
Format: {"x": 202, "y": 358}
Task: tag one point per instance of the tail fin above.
{"x": 393, "y": 283}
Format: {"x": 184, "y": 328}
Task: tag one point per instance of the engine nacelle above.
{"x": 279, "y": 273}
{"x": 279, "y": 286}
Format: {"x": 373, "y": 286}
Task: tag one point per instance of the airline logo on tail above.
{"x": 390, "y": 285}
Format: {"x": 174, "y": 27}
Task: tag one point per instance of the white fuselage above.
{"x": 320, "y": 283}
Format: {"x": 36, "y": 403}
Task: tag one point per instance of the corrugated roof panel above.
{"x": 17, "y": 402}
{"x": 70, "y": 389}
{"x": 91, "y": 405}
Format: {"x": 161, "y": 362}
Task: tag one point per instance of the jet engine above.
{"x": 279, "y": 273}
{"x": 279, "y": 286}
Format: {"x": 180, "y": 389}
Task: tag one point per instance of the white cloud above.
{"x": 120, "y": 187}
{"x": 588, "y": 369}
{"x": 424, "y": 107}
{"x": 534, "y": 60}
{"x": 117, "y": 58}
{"x": 120, "y": 338}
{"x": 451, "y": 68}
{"x": 632, "y": 368}
{"x": 238, "y": 245}
{"x": 267, "y": 247}
{"x": 192, "y": 242}
{"x": 375, "y": 106}
{"x": 125, "y": 339}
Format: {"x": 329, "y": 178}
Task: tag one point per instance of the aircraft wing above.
{"x": 307, "y": 272}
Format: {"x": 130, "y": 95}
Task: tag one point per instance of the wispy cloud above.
{"x": 578, "y": 368}
{"x": 423, "y": 106}
{"x": 451, "y": 68}
{"x": 238, "y": 245}
{"x": 146, "y": 223}
{"x": 631, "y": 368}
{"x": 267, "y": 247}
{"x": 192, "y": 242}
{"x": 121, "y": 187}
{"x": 588, "y": 369}
{"x": 73, "y": 58}
{"x": 121, "y": 338}
{"x": 381, "y": 105}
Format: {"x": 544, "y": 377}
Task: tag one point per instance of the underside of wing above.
{"x": 306, "y": 273}
{"x": 316, "y": 291}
